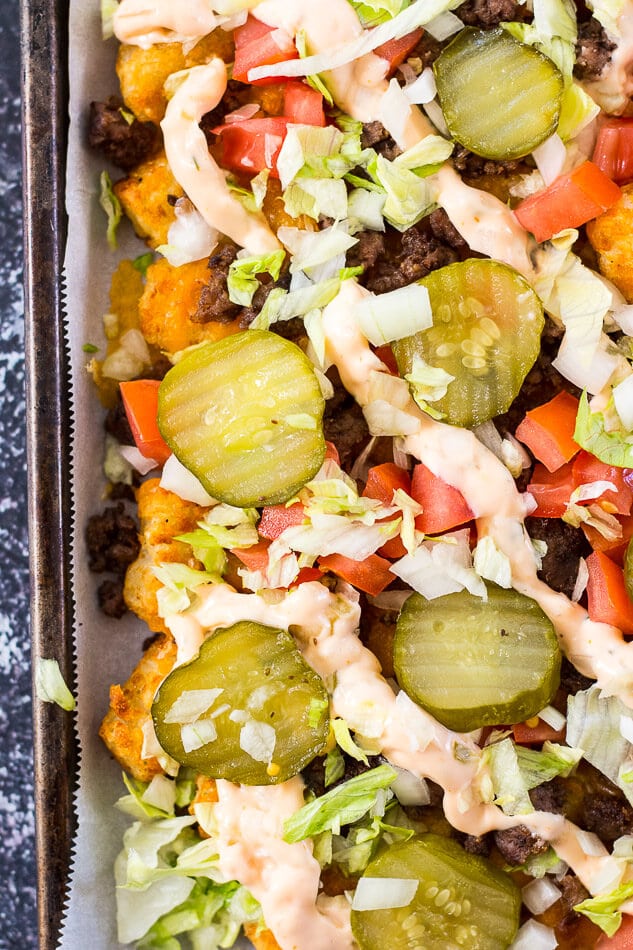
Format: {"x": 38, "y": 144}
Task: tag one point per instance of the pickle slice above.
{"x": 244, "y": 414}
{"x": 461, "y": 900}
{"x": 267, "y": 707}
{"x": 487, "y": 324}
{"x": 500, "y": 98}
{"x": 628, "y": 568}
{"x": 472, "y": 662}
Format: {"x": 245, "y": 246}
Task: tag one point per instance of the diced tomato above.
{"x": 307, "y": 574}
{"x": 614, "y": 548}
{"x": 331, "y": 452}
{"x": 551, "y": 490}
{"x": 257, "y": 44}
{"x": 548, "y": 431}
{"x": 253, "y": 144}
{"x": 140, "y": 399}
{"x": 606, "y": 594}
{"x": 254, "y": 558}
{"x": 383, "y": 480}
{"x": 276, "y": 518}
{"x": 587, "y": 468}
{"x": 303, "y": 105}
{"x": 613, "y": 153}
{"x": 571, "y": 200}
{"x": 622, "y": 939}
{"x": 371, "y": 575}
{"x": 396, "y": 51}
{"x": 385, "y": 354}
{"x": 536, "y": 735}
{"x": 443, "y": 506}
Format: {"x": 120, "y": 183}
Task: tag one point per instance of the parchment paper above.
{"x": 106, "y": 650}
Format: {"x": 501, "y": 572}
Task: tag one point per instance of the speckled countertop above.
{"x": 18, "y": 928}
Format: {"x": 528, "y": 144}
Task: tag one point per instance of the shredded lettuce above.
{"x": 108, "y": 9}
{"x": 315, "y": 81}
{"x": 515, "y": 770}
{"x": 614, "y": 448}
{"x": 142, "y": 804}
{"x": 342, "y": 805}
{"x": 374, "y": 12}
{"x": 491, "y": 563}
{"x": 179, "y": 581}
{"x": 577, "y": 110}
{"x": 242, "y": 281}
{"x": 317, "y": 253}
{"x": 344, "y": 740}
{"x": 608, "y": 13}
{"x": 334, "y": 766}
{"x": 112, "y": 207}
{"x": 409, "y": 197}
{"x": 604, "y": 910}
{"x": 441, "y": 567}
{"x": 50, "y": 686}
{"x": 553, "y": 31}
{"x": 593, "y": 724}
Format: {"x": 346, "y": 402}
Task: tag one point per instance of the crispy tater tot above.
{"x": 144, "y": 196}
{"x": 130, "y": 705}
{"x": 162, "y": 516}
{"x": 611, "y": 236}
{"x": 261, "y": 939}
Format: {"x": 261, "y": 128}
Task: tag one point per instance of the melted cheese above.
{"x": 194, "y": 169}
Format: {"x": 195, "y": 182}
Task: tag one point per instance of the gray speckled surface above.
{"x": 18, "y": 927}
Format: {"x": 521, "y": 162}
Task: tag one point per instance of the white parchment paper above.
{"x": 105, "y": 649}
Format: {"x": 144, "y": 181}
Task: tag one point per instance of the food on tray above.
{"x": 369, "y": 394}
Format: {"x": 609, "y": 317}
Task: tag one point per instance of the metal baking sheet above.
{"x": 44, "y": 44}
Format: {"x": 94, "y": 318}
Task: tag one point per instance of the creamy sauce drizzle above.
{"x": 195, "y": 170}
{"x": 143, "y": 22}
{"x": 283, "y": 877}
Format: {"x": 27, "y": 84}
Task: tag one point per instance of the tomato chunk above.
{"x": 276, "y": 518}
{"x": 303, "y": 105}
{"x": 443, "y": 506}
{"x": 621, "y": 940}
{"x": 371, "y": 575}
{"x": 613, "y": 153}
{"x": 606, "y": 593}
{"x": 140, "y": 400}
{"x": 587, "y": 469}
{"x": 257, "y": 44}
{"x": 571, "y": 200}
{"x": 383, "y": 480}
{"x": 253, "y": 144}
{"x": 548, "y": 431}
{"x": 396, "y": 51}
{"x": 536, "y": 735}
{"x": 614, "y": 547}
{"x": 254, "y": 558}
{"x": 551, "y": 490}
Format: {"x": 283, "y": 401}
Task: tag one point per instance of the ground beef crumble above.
{"x": 474, "y": 166}
{"x": 112, "y": 541}
{"x": 518, "y": 844}
{"x": 125, "y": 144}
{"x": 593, "y": 50}
{"x": 488, "y": 14}
{"x": 565, "y": 546}
{"x": 214, "y": 304}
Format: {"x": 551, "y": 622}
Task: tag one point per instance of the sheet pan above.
{"x": 44, "y": 83}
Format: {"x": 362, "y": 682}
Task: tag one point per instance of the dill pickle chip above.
{"x": 473, "y": 662}
{"x": 628, "y": 569}
{"x": 461, "y": 900}
{"x": 487, "y": 324}
{"x": 247, "y": 708}
{"x": 500, "y": 98}
{"x": 244, "y": 414}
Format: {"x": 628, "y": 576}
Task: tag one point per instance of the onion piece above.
{"x": 410, "y": 789}
{"x": 550, "y": 158}
{"x": 582, "y": 578}
{"x": 444, "y": 25}
{"x": 179, "y": 480}
{"x": 626, "y": 728}
{"x": 540, "y": 894}
{"x": 422, "y": 89}
{"x": 137, "y": 460}
{"x": 552, "y": 717}
{"x": 534, "y": 936}
{"x": 244, "y": 112}
{"x": 623, "y": 400}
{"x": 383, "y": 893}
{"x": 591, "y": 844}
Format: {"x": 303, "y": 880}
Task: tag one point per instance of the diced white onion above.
{"x": 244, "y": 112}
{"x": 189, "y": 237}
{"x": 623, "y": 399}
{"x": 552, "y": 717}
{"x": 258, "y": 740}
{"x": 444, "y": 25}
{"x": 410, "y": 789}
{"x": 400, "y": 456}
{"x": 382, "y": 893}
{"x": 591, "y": 844}
{"x": 122, "y": 365}
{"x": 534, "y": 936}
{"x": 626, "y": 728}
{"x": 436, "y": 116}
{"x": 191, "y": 704}
{"x": 423, "y": 89}
{"x": 582, "y": 578}
{"x": 540, "y": 894}
{"x": 550, "y": 158}
{"x": 623, "y": 316}
{"x": 360, "y": 466}
{"x": 137, "y": 460}
{"x": 608, "y": 877}
{"x": 394, "y": 112}
{"x": 390, "y": 599}
{"x": 179, "y": 480}
{"x": 593, "y": 377}
{"x": 196, "y": 734}
{"x": 134, "y": 343}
